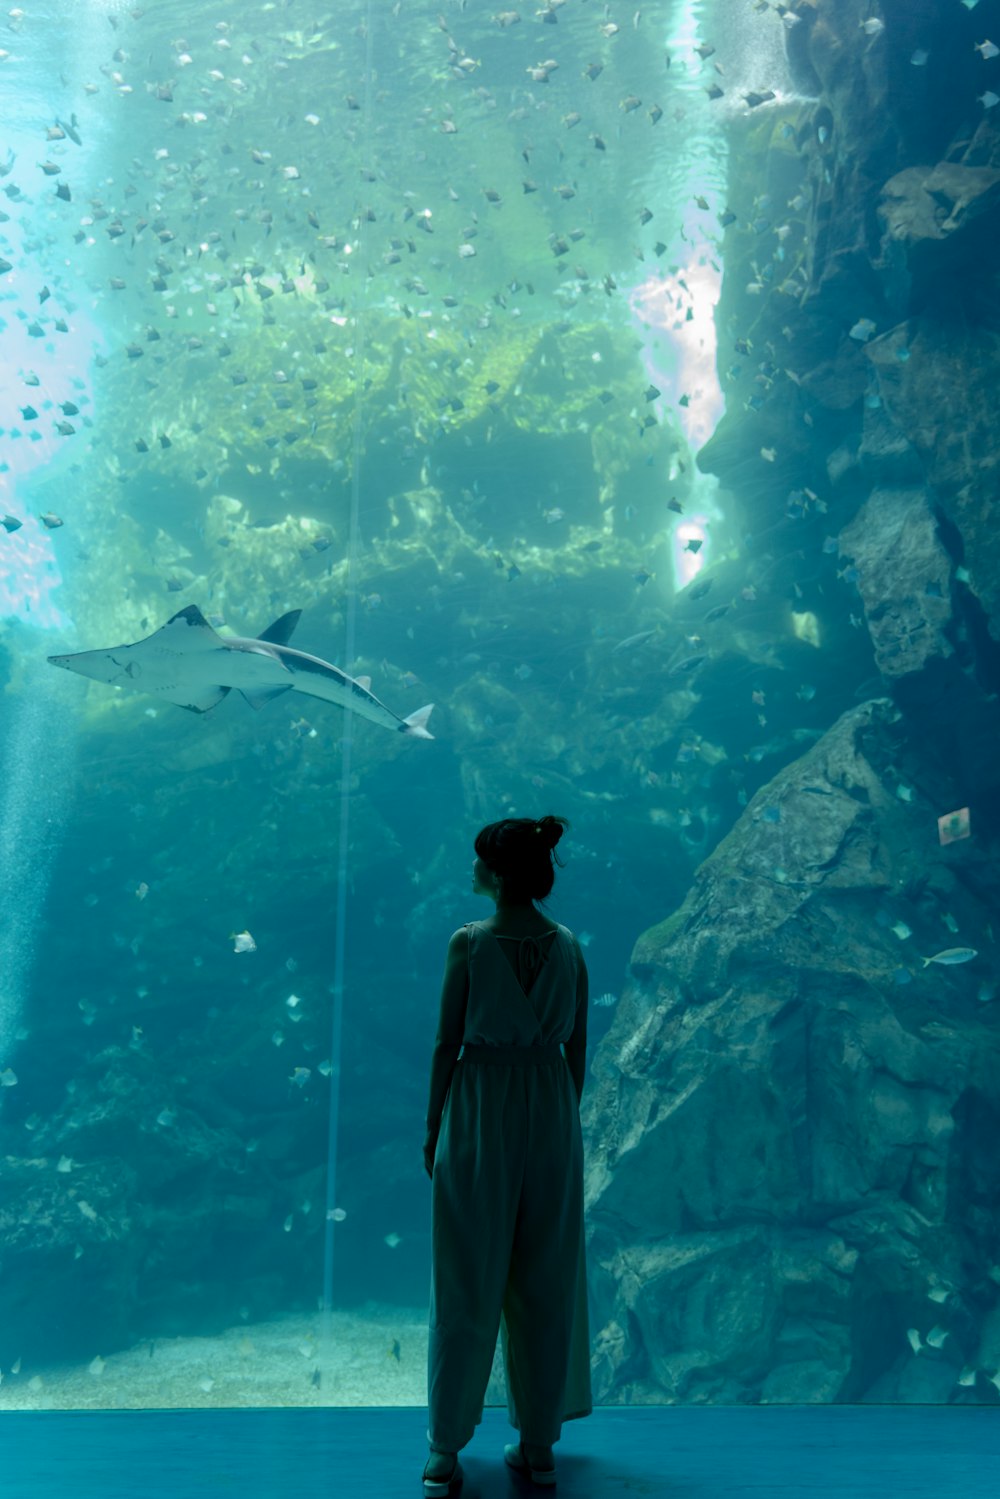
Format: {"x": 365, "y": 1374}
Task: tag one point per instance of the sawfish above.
{"x": 189, "y": 663}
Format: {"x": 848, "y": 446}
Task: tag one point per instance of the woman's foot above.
{"x": 539, "y": 1461}
{"x": 440, "y": 1472}
{"x": 440, "y": 1464}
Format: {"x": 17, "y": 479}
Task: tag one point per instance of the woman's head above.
{"x": 517, "y": 853}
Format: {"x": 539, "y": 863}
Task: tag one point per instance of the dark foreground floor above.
{"x": 699, "y": 1452}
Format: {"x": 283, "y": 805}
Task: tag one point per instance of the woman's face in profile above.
{"x": 482, "y": 879}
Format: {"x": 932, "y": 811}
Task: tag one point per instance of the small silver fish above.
{"x": 952, "y": 955}
{"x": 606, "y": 1001}
{"x": 632, "y": 641}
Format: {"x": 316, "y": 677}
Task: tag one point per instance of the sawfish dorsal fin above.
{"x": 280, "y": 633}
{"x": 191, "y": 616}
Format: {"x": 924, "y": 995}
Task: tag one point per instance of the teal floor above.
{"x": 701, "y": 1452}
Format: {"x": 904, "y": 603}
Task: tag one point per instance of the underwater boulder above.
{"x": 777, "y": 1171}
{"x": 904, "y": 578}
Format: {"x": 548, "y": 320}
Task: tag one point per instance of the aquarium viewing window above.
{"x": 415, "y": 416}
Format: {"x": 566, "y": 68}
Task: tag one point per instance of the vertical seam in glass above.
{"x": 350, "y": 621}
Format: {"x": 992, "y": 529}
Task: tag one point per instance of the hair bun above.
{"x": 550, "y": 829}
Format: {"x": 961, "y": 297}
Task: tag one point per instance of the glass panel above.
{"x": 412, "y": 318}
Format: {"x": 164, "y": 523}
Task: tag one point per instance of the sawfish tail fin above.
{"x": 416, "y": 724}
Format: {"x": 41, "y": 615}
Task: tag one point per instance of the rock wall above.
{"x": 787, "y": 1177}
{"x": 792, "y": 1187}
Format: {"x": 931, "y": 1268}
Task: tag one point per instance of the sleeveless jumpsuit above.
{"x": 507, "y": 1203}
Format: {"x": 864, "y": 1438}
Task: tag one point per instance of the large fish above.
{"x": 189, "y": 663}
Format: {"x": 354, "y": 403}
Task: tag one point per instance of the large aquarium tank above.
{"x": 617, "y": 382}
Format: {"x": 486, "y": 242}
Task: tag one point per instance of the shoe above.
{"x": 439, "y": 1484}
{"x": 514, "y": 1457}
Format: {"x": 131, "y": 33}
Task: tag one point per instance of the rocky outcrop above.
{"x": 903, "y": 578}
{"x": 923, "y": 210}
{"x": 788, "y": 1189}
{"x": 937, "y": 379}
{"x": 791, "y": 1177}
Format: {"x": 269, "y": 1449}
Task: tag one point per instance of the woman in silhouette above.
{"x": 505, "y": 1156}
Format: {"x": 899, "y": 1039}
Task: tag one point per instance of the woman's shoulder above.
{"x": 541, "y": 928}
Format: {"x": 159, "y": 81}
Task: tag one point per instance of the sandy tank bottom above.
{"x": 369, "y": 1356}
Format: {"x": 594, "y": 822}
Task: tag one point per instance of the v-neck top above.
{"x": 531, "y": 952}
{"x": 532, "y": 1006}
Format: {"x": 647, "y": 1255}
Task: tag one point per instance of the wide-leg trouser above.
{"x": 507, "y": 1237}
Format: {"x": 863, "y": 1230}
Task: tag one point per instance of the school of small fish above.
{"x": 223, "y": 225}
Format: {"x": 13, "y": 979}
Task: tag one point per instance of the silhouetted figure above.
{"x": 506, "y": 1156}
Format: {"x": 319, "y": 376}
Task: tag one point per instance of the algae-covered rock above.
{"x": 940, "y": 204}
{"x": 784, "y": 1100}
{"x": 904, "y": 578}
{"x": 942, "y": 394}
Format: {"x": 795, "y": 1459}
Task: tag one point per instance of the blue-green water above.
{"x": 416, "y": 318}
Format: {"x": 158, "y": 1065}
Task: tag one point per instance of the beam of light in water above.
{"x": 29, "y": 569}
{"x": 674, "y": 307}
{"x": 29, "y": 572}
{"x": 36, "y": 755}
{"x": 680, "y": 312}
{"x": 37, "y": 740}
{"x": 37, "y": 730}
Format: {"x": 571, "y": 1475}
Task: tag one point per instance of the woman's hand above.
{"x": 430, "y": 1146}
